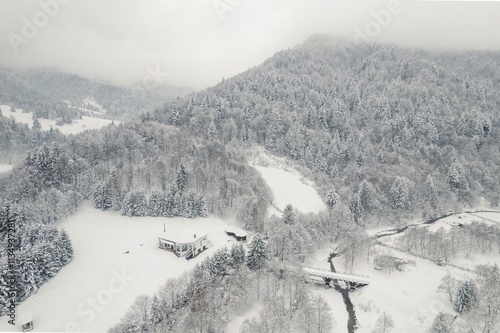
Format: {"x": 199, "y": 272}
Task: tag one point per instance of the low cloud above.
{"x": 199, "y": 42}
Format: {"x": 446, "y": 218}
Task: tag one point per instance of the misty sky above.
{"x": 197, "y": 42}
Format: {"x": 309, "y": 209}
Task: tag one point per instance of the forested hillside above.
{"x": 56, "y": 95}
{"x": 138, "y": 169}
{"x": 391, "y": 132}
{"x": 386, "y": 134}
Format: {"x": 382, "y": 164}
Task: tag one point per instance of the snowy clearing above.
{"x": 95, "y": 290}
{"x": 79, "y": 125}
{"x": 288, "y": 185}
{"x": 411, "y": 296}
{"x": 235, "y": 324}
{"x": 492, "y": 217}
{"x": 454, "y": 221}
{"x": 5, "y": 167}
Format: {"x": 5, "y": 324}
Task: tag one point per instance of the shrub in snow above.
{"x": 384, "y": 324}
{"x": 442, "y": 323}
{"x": 387, "y": 263}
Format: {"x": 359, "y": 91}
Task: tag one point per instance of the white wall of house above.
{"x": 183, "y": 249}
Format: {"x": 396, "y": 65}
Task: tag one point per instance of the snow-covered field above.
{"x": 410, "y": 297}
{"x": 235, "y": 324}
{"x": 95, "y": 290}
{"x": 5, "y": 167}
{"x": 79, "y": 125}
{"x": 288, "y": 185}
{"x": 492, "y": 217}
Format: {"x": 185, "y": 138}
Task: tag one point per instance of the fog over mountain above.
{"x": 196, "y": 43}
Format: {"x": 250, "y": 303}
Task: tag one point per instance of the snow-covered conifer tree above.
{"x": 400, "y": 193}
{"x": 430, "y": 192}
{"x": 238, "y": 255}
{"x": 64, "y": 243}
{"x": 466, "y": 297}
{"x": 189, "y": 206}
{"x": 170, "y": 204}
{"x": 27, "y": 277}
{"x": 141, "y": 204}
{"x": 332, "y": 198}
{"x": 201, "y": 207}
{"x": 258, "y": 253}
{"x": 99, "y": 197}
{"x": 181, "y": 180}
{"x": 288, "y": 214}
{"x": 155, "y": 204}
{"x": 218, "y": 263}
{"x": 128, "y": 205}
{"x": 155, "y": 311}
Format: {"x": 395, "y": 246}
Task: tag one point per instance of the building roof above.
{"x": 236, "y": 231}
{"x": 182, "y": 236}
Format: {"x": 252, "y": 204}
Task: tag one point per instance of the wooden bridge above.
{"x": 343, "y": 276}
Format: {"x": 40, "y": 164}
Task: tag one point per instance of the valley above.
{"x": 313, "y": 183}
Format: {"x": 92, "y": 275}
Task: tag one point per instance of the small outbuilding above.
{"x": 183, "y": 243}
{"x": 27, "y": 322}
{"x": 239, "y": 234}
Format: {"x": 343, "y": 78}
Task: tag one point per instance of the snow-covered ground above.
{"x": 235, "y": 324}
{"x": 410, "y": 297}
{"x": 454, "y": 220}
{"x": 287, "y": 184}
{"x": 95, "y": 290}
{"x": 493, "y": 217}
{"x": 5, "y": 167}
{"x": 79, "y": 125}
{"x": 447, "y": 223}
{"x": 330, "y": 295}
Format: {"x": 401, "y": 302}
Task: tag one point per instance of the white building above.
{"x": 183, "y": 243}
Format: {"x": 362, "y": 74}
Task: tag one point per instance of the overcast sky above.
{"x": 197, "y": 42}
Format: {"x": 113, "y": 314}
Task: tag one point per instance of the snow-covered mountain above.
{"x": 326, "y": 151}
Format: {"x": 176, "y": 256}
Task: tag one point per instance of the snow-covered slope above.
{"x": 95, "y": 290}
{"x": 5, "y": 167}
{"x": 287, "y": 184}
{"x": 86, "y": 123}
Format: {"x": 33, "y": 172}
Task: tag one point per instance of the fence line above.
{"x": 421, "y": 256}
